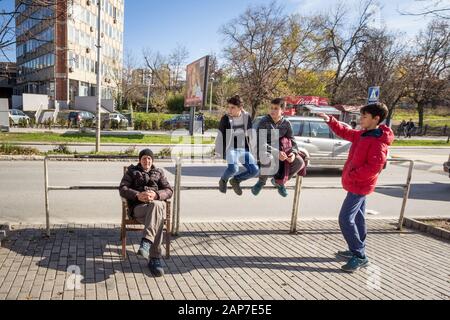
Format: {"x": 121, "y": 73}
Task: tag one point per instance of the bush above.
{"x": 114, "y": 124}
{"x": 150, "y": 121}
{"x": 164, "y": 153}
{"x": 23, "y": 123}
{"x": 175, "y": 103}
{"x": 131, "y": 151}
{"x": 62, "y": 149}
{"x": 49, "y": 123}
{"x": 33, "y": 123}
{"x": 62, "y": 122}
{"x": 87, "y": 123}
{"x": 9, "y": 149}
{"x": 211, "y": 122}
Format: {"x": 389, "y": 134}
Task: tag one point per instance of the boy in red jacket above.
{"x": 367, "y": 158}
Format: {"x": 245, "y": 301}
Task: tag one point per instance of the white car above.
{"x": 325, "y": 148}
{"x": 16, "y": 116}
{"x": 120, "y": 118}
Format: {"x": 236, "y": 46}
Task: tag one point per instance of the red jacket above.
{"x": 367, "y": 157}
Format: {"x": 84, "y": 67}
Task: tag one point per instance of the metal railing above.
{"x": 67, "y": 188}
{"x": 296, "y": 202}
{"x": 298, "y": 187}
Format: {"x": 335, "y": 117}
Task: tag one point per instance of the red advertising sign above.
{"x": 307, "y": 100}
{"x": 197, "y": 83}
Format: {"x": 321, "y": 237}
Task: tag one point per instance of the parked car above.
{"x": 179, "y": 121}
{"x": 16, "y": 116}
{"x": 447, "y": 167}
{"x": 314, "y": 136}
{"x": 81, "y": 118}
{"x": 120, "y": 119}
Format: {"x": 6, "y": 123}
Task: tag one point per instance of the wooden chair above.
{"x": 130, "y": 224}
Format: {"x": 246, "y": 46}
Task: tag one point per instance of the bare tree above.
{"x": 434, "y": 8}
{"x": 28, "y": 10}
{"x": 159, "y": 67}
{"x": 428, "y": 66}
{"x": 177, "y": 62}
{"x": 340, "y": 40}
{"x": 254, "y": 51}
{"x": 130, "y": 82}
{"x": 380, "y": 63}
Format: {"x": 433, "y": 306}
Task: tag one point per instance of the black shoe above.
{"x": 155, "y": 267}
{"x": 223, "y": 186}
{"x": 236, "y": 187}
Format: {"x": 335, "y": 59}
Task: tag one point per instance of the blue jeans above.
{"x": 353, "y": 223}
{"x": 236, "y": 156}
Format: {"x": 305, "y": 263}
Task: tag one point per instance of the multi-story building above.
{"x": 57, "y": 48}
{"x": 8, "y": 76}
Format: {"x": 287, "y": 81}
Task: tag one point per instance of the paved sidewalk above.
{"x": 225, "y": 261}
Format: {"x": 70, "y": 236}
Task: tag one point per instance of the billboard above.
{"x": 197, "y": 83}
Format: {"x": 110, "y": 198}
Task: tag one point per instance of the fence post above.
{"x": 406, "y": 196}
{"x": 445, "y": 129}
{"x": 295, "y": 208}
{"x": 174, "y": 206}
{"x": 176, "y": 222}
{"x": 47, "y": 207}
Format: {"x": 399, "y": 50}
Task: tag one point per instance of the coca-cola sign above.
{"x": 307, "y": 100}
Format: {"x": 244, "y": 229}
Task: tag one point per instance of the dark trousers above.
{"x": 152, "y": 216}
{"x": 353, "y": 223}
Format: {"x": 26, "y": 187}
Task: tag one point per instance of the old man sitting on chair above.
{"x": 146, "y": 188}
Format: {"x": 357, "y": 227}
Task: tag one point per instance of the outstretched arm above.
{"x": 338, "y": 128}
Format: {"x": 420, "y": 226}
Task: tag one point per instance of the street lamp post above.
{"x": 99, "y": 76}
{"x": 148, "y": 93}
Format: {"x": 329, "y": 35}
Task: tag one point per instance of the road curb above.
{"x": 42, "y": 158}
{"x": 416, "y": 224}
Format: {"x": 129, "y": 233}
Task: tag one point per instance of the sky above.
{"x": 160, "y": 25}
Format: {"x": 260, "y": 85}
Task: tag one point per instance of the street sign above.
{"x": 374, "y": 94}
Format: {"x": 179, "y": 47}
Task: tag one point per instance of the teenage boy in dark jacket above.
{"x": 234, "y": 145}
{"x": 367, "y": 158}
{"x": 291, "y": 158}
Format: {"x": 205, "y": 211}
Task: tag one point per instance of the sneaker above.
{"x": 144, "y": 249}
{"x": 236, "y": 187}
{"x": 354, "y": 264}
{"x": 223, "y": 186}
{"x": 281, "y": 189}
{"x": 256, "y": 190}
{"x": 155, "y": 267}
{"x": 345, "y": 254}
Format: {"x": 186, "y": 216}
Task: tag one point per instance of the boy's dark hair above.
{"x": 278, "y": 102}
{"x": 376, "y": 109}
{"x": 235, "y": 101}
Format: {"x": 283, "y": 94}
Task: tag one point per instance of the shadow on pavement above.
{"x": 96, "y": 251}
{"x": 434, "y": 192}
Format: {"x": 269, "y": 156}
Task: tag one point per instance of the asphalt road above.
{"x": 22, "y": 193}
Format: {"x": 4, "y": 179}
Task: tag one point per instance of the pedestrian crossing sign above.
{"x": 374, "y": 94}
